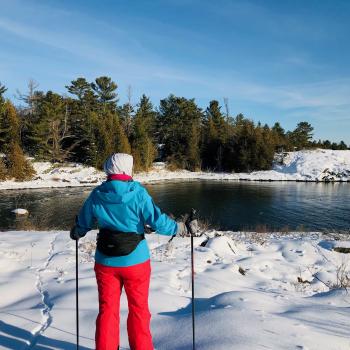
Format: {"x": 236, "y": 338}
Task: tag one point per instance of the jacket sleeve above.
{"x": 153, "y": 217}
{"x": 85, "y": 218}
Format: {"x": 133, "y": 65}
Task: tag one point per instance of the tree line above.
{"x": 88, "y": 124}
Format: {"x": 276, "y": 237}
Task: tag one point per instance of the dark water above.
{"x": 227, "y": 205}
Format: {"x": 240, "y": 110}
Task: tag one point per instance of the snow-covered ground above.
{"x": 315, "y": 165}
{"x": 247, "y": 292}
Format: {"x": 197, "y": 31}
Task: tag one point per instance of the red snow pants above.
{"x": 110, "y": 281}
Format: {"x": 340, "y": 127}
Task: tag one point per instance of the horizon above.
{"x": 277, "y": 62}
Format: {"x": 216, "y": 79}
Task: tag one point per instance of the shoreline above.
{"x": 155, "y": 182}
{"x": 316, "y": 166}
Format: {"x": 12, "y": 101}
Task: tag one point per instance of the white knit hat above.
{"x": 119, "y": 163}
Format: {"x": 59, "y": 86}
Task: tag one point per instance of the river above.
{"x": 225, "y": 205}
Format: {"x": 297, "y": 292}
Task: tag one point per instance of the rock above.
{"x": 343, "y": 250}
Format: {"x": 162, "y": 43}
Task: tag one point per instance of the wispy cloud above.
{"x": 328, "y": 93}
{"x": 94, "y": 50}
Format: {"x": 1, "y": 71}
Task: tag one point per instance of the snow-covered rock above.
{"x": 20, "y": 211}
{"x": 317, "y": 165}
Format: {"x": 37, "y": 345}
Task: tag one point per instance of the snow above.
{"x": 266, "y": 308}
{"x": 20, "y": 211}
{"x": 313, "y": 165}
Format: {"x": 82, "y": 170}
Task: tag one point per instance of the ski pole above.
{"x": 76, "y": 292}
{"x": 190, "y": 230}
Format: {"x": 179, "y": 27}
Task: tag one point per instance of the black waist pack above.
{"x": 116, "y": 243}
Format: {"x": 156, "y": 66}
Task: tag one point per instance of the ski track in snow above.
{"x": 45, "y": 297}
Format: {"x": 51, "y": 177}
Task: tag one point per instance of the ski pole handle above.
{"x": 190, "y": 218}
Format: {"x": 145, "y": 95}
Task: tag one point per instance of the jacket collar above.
{"x": 120, "y": 177}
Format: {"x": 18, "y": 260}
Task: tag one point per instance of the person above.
{"x": 122, "y": 208}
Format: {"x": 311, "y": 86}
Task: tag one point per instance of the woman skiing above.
{"x": 122, "y": 207}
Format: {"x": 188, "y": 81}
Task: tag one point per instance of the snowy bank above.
{"x": 253, "y": 291}
{"x": 315, "y": 165}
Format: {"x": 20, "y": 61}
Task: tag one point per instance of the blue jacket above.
{"x": 123, "y": 206}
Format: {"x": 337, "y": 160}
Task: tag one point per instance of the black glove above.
{"x": 181, "y": 229}
{"x": 192, "y": 223}
{"x": 193, "y": 226}
{"x": 73, "y": 234}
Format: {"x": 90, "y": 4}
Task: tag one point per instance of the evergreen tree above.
{"x": 18, "y": 166}
{"x": 104, "y": 89}
{"x": 215, "y": 133}
{"x": 280, "y": 138}
{"x": 342, "y": 145}
{"x": 3, "y": 89}
{"x": 266, "y": 146}
{"x": 83, "y": 122}
{"x": 327, "y": 144}
{"x": 80, "y": 88}
{"x": 29, "y": 122}
{"x": 250, "y": 147}
{"x": 143, "y": 147}
{"x": 51, "y": 133}
{"x": 179, "y": 122}
{"x": 3, "y": 170}
{"x": 301, "y": 136}
{"x": 110, "y": 138}
{"x": 28, "y": 113}
{"x": 126, "y": 118}
{"x": 9, "y": 126}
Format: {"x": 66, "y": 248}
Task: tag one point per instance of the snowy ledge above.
{"x": 305, "y": 166}
{"x": 270, "y": 290}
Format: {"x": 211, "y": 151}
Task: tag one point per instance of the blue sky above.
{"x": 285, "y": 61}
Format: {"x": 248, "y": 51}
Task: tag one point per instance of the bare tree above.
{"x": 127, "y": 120}
{"x": 30, "y": 97}
{"x": 227, "y": 111}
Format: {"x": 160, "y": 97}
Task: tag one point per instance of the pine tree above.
{"x": 342, "y": 145}
{"x": 104, "y": 89}
{"x": 178, "y": 118}
{"x": 250, "y": 147}
{"x": 50, "y": 135}
{"x": 326, "y": 144}
{"x": 301, "y": 136}
{"x": 280, "y": 139}
{"x": 80, "y": 88}
{"x": 214, "y": 137}
{"x": 110, "y": 138}
{"x": 18, "y": 166}
{"x": 143, "y": 147}
{"x": 9, "y": 126}
{"x": 83, "y": 122}
{"x": 3, "y": 89}
{"x": 3, "y": 170}
{"x": 126, "y": 114}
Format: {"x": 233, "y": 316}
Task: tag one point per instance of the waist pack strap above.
{"x": 117, "y": 243}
